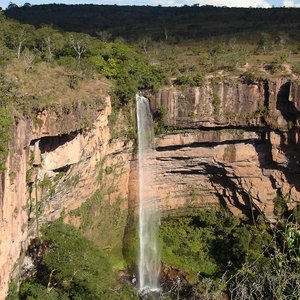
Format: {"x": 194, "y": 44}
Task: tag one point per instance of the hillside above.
{"x": 180, "y": 23}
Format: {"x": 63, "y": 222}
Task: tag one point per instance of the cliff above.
{"x": 54, "y": 166}
{"x": 242, "y": 145}
{"x": 226, "y": 142}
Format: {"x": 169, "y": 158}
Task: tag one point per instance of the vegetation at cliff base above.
{"x": 212, "y": 252}
{"x": 207, "y": 242}
{"x": 71, "y": 267}
{"x": 216, "y": 254}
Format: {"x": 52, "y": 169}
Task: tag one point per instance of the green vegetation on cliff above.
{"x": 104, "y": 225}
{"x": 71, "y": 267}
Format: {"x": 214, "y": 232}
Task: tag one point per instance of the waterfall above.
{"x": 149, "y": 218}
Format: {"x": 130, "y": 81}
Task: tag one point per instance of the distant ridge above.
{"x": 187, "y": 22}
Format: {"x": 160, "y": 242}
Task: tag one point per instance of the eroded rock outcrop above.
{"x": 238, "y": 172}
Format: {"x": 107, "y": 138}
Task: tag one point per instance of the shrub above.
{"x": 248, "y": 78}
{"x": 5, "y": 136}
{"x": 186, "y": 79}
{"x": 159, "y": 118}
{"x": 280, "y": 206}
{"x": 296, "y": 69}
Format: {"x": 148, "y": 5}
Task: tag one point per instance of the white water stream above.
{"x": 149, "y": 218}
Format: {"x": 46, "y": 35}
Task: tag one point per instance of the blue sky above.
{"x": 230, "y": 3}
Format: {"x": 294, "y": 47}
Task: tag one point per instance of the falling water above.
{"x": 149, "y": 258}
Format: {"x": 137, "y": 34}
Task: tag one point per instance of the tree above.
{"x": 79, "y": 44}
{"x": 19, "y": 34}
{"x": 3, "y": 28}
{"x": 265, "y": 42}
{"x": 12, "y": 5}
{"x": 104, "y": 35}
{"x": 282, "y": 39}
{"x": 19, "y": 40}
{"x": 166, "y": 33}
{"x": 49, "y": 41}
{"x": 145, "y": 43}
{"x": 28, "y": 58}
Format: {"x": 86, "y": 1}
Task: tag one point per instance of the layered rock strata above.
{"x": 242, "y": 150}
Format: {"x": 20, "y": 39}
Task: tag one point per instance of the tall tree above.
{"x": 18, "y": 35}
{"x": 49, "y": 40}
{"x": 79, "y": 43}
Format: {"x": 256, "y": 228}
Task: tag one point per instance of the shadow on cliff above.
{"x": 289, "y": 142}
{"x": 50, "y": 143}
{"x": 219, "y": 177}
{"x": 287, "y": 108}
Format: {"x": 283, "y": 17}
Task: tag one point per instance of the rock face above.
{"x": 229, "y": 142}
{"x": 53, "y": 169}
{"x": 244, "y": 154}
{"x": 13, "y": 216}
{"x": 230, "y": 103}
{"x": 240, "y": 172}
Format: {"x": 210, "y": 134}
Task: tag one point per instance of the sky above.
{"x": 229, "y": 3}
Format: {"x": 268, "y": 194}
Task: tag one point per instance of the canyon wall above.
{"x": 227, "y": 142}
{"x": 230, "y": 142}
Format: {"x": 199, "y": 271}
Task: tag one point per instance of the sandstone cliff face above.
{"x": 54, "y": 168}
{"x": 13, "y": 217}
{"x": 240, "y": 172}
{"x": 243, "y": 155}
{"x": 228, "y": 103}
{"x": 232, "y": 143}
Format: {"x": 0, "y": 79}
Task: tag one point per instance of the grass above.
{"x": 194, "y": 57}
{"x": 47, "y": 86}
